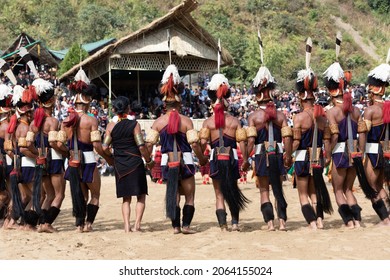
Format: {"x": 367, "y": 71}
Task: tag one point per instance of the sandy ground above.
{"x": 254, "y": 242}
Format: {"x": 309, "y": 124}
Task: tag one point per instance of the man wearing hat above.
{"x": 177, "y": 138}
{"x": 267, "y": 133}
{"x": 343, "y": 124}
{"x": 310, "y": 127}
{"x": 42, "y": 141}
{"x": 375, "y": 140}
{"x": 5, "y": 111}
{"x": 24, "y": 160}
{"x": 80, "y": 132}
{"x": 223, "y": 131}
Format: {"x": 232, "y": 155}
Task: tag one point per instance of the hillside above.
{"x": 284, "y": 26}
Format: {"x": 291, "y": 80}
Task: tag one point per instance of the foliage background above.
{"x": 285, "y": 25}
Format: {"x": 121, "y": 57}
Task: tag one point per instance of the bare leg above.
{"x": 126, "y": 212}
{"x": 303, "y": 192}
{"x": 338, "y": 178}
{"x": 188, "y": 188}
{"x": 264, "y": 197}
{"x": 139, "y": 212}
{"x": 94, "y": 188}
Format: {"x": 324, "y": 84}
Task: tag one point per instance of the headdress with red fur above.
{"x": 5, "y": 98}
{"x": 170, "y": 84}
{"x": 263, "y": 85}
{"x": 82, "y": 88}
{"x": 23, "y": 98}
{"x": 219, "y": 90}
{"x": 45, "y": 92}
{"x": 379, "y": 77}
{"x": 307, "y": 82}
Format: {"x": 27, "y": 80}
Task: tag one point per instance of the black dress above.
{"x": 130, "y": 175}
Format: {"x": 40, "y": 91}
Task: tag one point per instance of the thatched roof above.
{"x": 35, "y": 47}
{"x": 178, "y": 17}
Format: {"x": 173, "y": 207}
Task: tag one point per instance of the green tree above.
{"x": 72, "y": 58}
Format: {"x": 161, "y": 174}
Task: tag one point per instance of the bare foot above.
{"x": 88, "y": 228}
{"x": 235, "y": 227}
{"x": 28, "y": 227}
{"x": 187, "y": 230}
{"x": 176, "y": 230}
{"x": 320, "y": 225}
{"x": 384, "y": 223}
{"x": 282, "y": 225}
{"x": 271, "y": 226}
{"x": 313, "y": 225}
{"x": 79, "y": 229}
{"x": 48, "y": 228}
{"x": 357, "y": 224}
{"x": 136, "y": 229}
{"x": 350, "y": 225}
{"x": 224, "y": 228}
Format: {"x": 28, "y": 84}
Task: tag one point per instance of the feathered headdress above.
{"x": 263, "y": 83}
{"x": 336, "y": 79}
{"x": 82, "y": 86}
{"x": 307, "y": 82}
{"x": 170, "y": 81}
{"x": 334, "y": 75}
{"x": 44, "y": 90}
{"x": 379, "y": 77}
{"x": 219, "y": 86}
{"x": 5, "y": 98}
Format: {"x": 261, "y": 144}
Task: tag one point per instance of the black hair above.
{"x": 121, "y": 104}
{"x": 376, "y": 82}
{"x": 213, "y": 95}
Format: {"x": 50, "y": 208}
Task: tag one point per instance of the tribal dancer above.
{"x": 177, "y": 137}
{"x": 343, "y": 123}
{"x": 5, "y": 109}
{"x": 42, "y": 141}
{"x": 267, "y": 130}
{"x": 5, "y": 160}
{"x": 81, "y": 133}
{"x": 223, "y": 131}
{"x": 24, "y": 205}
{"x": 376, "y": 139}
{"x": 308, "y": 136}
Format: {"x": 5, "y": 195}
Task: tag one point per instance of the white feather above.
{"x": 42, "y": 85}
{"x": 17, "y": 94}
{"x": 381, "y": 72}
{"x": 216, "y": 81}
{"x": 388, "y": 57}
{"x": 261, "y": 75}
{"x": 171, "y": 69}
{"x": 302, "y": 74}
{"x": 81, "y": 76}
{"x": 334, "y": 72}
{"x": 4, "y": 91}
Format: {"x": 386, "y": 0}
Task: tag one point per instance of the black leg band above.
{"x": 320, "y": 211}
{"x": 31, "y": 218}
{"x": 221, "y": 217}
{"x": 91, "y": 212}
{"x": 52, "y": 214}
{"x": 356, "y": 210}
{"x": 43, "y": 217}
{"x": 176, "y": 221}
{"x": 308, "y": 213}
{"x": 380, "y": 209}
{"x": 268, "y": 211}
{"x": 188, "y": 214}
{"x": 345, "y": 213}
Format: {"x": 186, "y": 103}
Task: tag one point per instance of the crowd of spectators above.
{"x": 196, "y": 103}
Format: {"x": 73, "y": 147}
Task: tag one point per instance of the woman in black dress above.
{"x": 125, "y": 138}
